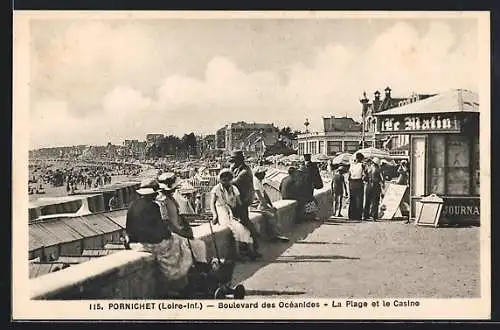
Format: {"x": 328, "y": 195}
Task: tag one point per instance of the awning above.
{"x": 453, "y": 101}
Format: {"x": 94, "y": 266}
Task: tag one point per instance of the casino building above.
{"x": 443, "y": 133}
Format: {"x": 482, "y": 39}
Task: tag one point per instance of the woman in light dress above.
{"x": 225, "y": 198}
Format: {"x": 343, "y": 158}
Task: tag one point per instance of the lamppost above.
{"x": 364, "y": 102}
{"x": 306, "y": 124}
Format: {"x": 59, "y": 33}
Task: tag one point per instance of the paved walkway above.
{"x": 337, "y": 258}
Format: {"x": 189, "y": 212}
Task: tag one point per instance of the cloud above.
{"x": 83, "y": 62}
{"x": 330, "y": 83}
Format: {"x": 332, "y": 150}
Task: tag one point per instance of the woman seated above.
{"x": 144, "y": 225}
{"x": 170, "y": 213}
{"x": 225, "y": 200}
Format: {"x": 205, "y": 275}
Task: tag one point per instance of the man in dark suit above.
{"x": 311, "y": 180}
{"x": 243, "y": 180}
{"x": 288, "y": 187}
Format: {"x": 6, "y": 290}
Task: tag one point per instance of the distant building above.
{"x": 342, "y": 124}
{"x": 208, "y": 142}
{"x": 220, "y": 138}
{"x": 153, "y": 138}
{"x": 134, "y": 148}
{"x": 246, "y": 136}
{"x": 338, "y": 135}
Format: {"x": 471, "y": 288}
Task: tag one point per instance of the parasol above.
{"x": 342, "y": 159}
{"x": 320, "y": 157}
{"x": 372, "y": 152}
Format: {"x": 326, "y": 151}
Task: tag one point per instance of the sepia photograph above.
{"x": 251, "y": 165}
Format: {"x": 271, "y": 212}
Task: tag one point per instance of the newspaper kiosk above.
{"x": 444, "y": 151}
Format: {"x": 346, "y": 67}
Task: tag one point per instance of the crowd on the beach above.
{"x": 77, "y": 176}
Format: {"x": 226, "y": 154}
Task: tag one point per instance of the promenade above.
{"x": 337, "y": 258}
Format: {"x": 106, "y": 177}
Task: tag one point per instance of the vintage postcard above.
{"x": 251, "y": 165}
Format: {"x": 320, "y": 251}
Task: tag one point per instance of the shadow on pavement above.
{"x": 313, "y": 257}
{"x": 273, "y": 293}
{"x": 319, "y": 243}
{"x": 342, "y": 222}
{"x": 272, "y": 251}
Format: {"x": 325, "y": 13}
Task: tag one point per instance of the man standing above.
{"x": 198, "y": 206}
{"x": 356, "y": 189}
{"x": 312, "y": 180}
{"x": 264, "y": 205}
{"x": 375, "y": 184}
{"x": 339, "y": 188}
{"x": 288, "y": 187}
{"x": 243, "y": 180}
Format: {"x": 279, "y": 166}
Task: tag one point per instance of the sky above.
{"x": 100, "y": 81}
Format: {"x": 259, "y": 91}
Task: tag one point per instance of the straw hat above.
{"x": 148, "y": 186}
{"x": 376, "y": 160}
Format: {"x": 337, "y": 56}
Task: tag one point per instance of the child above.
{"x": 339, "y": 187}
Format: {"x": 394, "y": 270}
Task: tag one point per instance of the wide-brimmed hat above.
{"x": 376, "y": 160}
{"x": 148, "y": 186}
{"x": 236, "y": 154}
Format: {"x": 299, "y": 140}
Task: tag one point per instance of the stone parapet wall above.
{"x": 132, "y": 274}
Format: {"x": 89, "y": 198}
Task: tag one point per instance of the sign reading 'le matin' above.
{"x": 422, "y": 123}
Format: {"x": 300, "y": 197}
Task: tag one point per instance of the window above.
{"x": 453, "y": 165}
{"x": 437, "y": 164}
{"x": 332, "y": 147}
{"x": 351, "y": 146}
{"x": 301, "y": 148}
{"x": 321, "y": 147}
{"x": 458, "y": 172}
{"x": 313, "y": 148}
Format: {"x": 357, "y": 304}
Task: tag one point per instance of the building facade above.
{"x": 242, "y": 135}
{"x": 344, "y": 134}
{"x": 339, "y": 135}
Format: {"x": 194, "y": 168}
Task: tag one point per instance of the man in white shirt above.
{"x": 264, "y": 205}
{"x": 356, "y": 187}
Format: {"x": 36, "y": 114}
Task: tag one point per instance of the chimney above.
{"x": 376, "y": 101}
